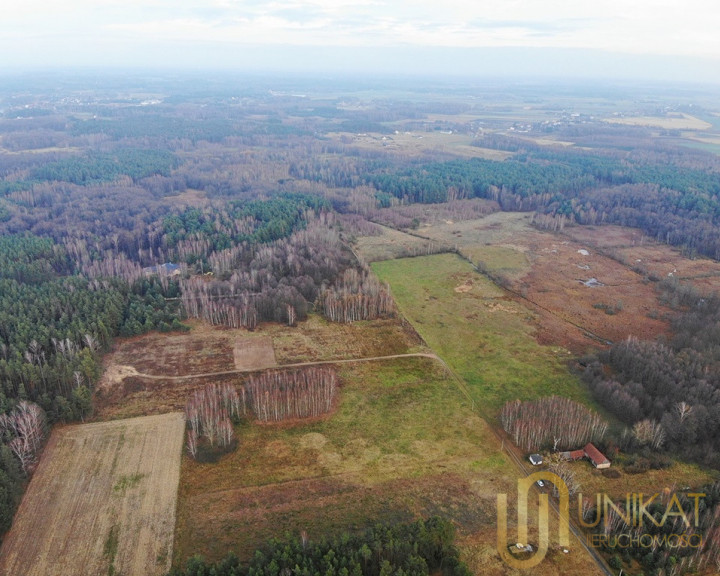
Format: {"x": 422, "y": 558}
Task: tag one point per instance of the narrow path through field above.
{"x": 293, "y": 365}
{"x": 507, "y": 446}
{"x": 517, "y": 459}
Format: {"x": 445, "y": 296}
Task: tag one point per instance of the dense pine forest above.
{"x": 416, "y": 549}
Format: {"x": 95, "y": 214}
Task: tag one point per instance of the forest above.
{"x": 418, "y": 549}
{"x": 671, "y": 384}
{"x": 678, "y": 205}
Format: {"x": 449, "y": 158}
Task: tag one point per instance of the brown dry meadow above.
{"x": 648, "y": 257}
{"x": 179, "y": 364}
{"x": 101, "y": 502}
{"x": 545, "y": 271}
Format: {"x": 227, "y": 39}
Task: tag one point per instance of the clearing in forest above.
{"x": 391, "y": 243}
{"x": 421, "y": 143}
{"x": 101, "y": 502}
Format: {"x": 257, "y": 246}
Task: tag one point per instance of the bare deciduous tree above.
{"x": 26, "y": 427}
{"x": 209, "y": 412}
{"x": 192, "y": 442}
{"x": 555, "y": 421}
{"x": 291, "y": 314}
{"x": 567, "y": 474}
{"x": 683, "y": 409}
{"x": 649, "y": 432}
{"x": 282, "y": 394}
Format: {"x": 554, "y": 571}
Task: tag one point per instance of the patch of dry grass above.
{"x": 403, "y": 443}
{"x": 676, "y": 478}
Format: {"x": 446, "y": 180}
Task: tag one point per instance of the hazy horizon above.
{"x": 648, "y": 41}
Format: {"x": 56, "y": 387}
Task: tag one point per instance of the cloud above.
{"x": 639, "y": 28}
{"x": 42, "y": 30}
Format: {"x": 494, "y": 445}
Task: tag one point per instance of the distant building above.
{"x": 535, "y": 459}
{"x": 167, "y": 269}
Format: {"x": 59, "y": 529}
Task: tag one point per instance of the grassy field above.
{"x": 101, "y": 502}
{"x": 484, "y": 336}
{"x": 391, "y": 244}
{"x": 402, "y": 443}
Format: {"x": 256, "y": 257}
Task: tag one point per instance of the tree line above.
{"x": 552, "y": 422}
{"x": 356, "y": 296}
{"x": 417, "y": 549}
{"x": 276, "y": 395}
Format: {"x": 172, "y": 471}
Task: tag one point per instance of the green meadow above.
{"x": 485, "y": 337}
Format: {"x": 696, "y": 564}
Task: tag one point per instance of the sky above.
{"x": 663, "y": 39}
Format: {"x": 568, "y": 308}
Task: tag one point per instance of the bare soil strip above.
{"x": 101, "y": 502}
{"x": 293, "y": 365}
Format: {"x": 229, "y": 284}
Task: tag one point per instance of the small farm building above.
{"x": 535, "y": 459}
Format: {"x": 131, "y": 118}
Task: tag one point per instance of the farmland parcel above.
{"x": 101, "y": 502}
